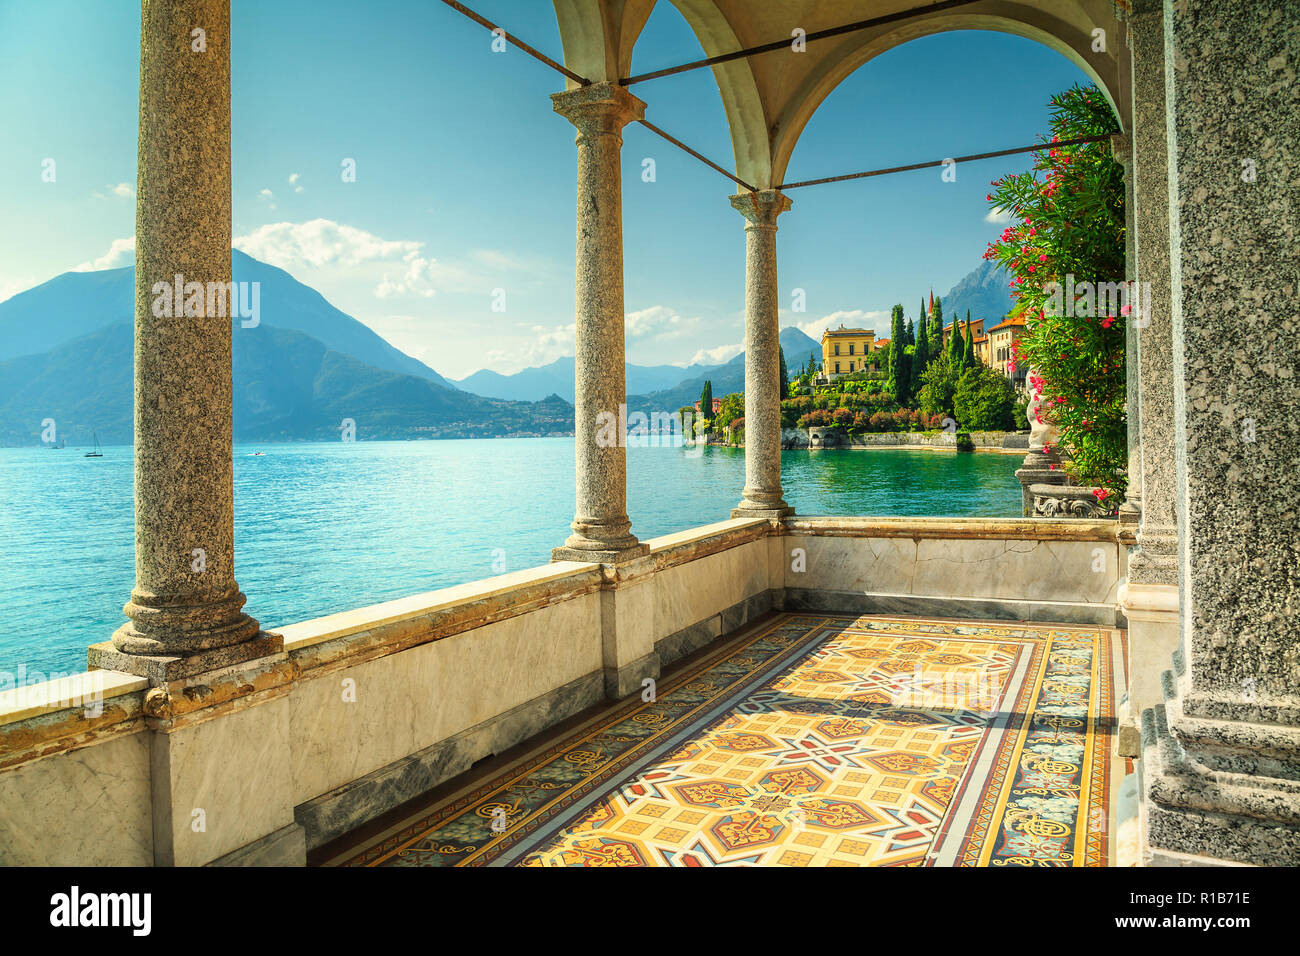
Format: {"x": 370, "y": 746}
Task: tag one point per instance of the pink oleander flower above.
{"x": 1043, "y": 257}
{"x": 1101, "y": 493}
{"x": 1108, "y": 321}
{"x": 1126, "y": 310}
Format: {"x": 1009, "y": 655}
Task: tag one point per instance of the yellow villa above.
{"x": 845, "y": 350}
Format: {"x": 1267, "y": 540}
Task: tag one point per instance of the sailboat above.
{"x": 98, "y": 452}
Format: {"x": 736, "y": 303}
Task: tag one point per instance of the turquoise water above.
{"x": 325, "y": 527}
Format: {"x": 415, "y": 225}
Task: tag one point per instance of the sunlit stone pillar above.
{"x": 762, "y": 497}
{"x": 601, "y": 529}
{"x": 1221, "y": 756}
{"x": 1122, "y": 149}
{"x": 185, "y": 610}
{"x": 1149, "y": 595}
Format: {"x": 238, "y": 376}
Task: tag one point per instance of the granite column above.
{"x": 1149, "y": 595}
{"x": 1221, "y": 755}
{"x": 762, "y": 497}
{"x": 601, "y": 529}
{"x": 185, "y": 610}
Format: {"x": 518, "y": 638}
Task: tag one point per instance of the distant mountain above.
{"x": 725, "y": 378}
{"x": 76, "y": 303}
{"x": 287, "y": 386}
{"x": 986, "y": 291}
{"x": 557, "y": 378}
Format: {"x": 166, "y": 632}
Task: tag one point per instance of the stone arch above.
{"x": 1073, "y": 42}
{"x": 598, "y": 35}
{"x": 741, "y": 99}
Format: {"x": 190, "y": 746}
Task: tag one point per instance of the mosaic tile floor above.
{"x": 814, "y": 740}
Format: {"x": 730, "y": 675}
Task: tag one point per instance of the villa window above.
{"x": 837, "y": 352}
{"x": 850, "y": 352}
{"x": 850, "y": 364}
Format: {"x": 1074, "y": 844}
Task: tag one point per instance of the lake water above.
{"x": 321, "y": 528}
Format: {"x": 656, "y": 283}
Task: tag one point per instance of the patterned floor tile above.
{"x": 816, "y": 741}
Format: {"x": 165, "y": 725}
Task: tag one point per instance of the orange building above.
{"x": 1001, "y": 337}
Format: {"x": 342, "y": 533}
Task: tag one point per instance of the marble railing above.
{"x": 369, "y": 708}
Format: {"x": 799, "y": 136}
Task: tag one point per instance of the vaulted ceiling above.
{"x": 769, "y": 97}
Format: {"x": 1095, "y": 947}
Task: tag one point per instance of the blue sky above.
{"x": 466, "y": 177}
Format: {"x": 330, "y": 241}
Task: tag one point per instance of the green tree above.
{"x": 938, "y": 385}
{"x": 984, "y": 399}
{"x": 1071, "y": 223}
{"x": 921, "y": 357}
{"x": 899, "y": 378}
{"x": 686, "y": 415}
{"x": 936, "y": 325}
{"x": 706, "y": 403}
{"x": 732, "y": 407}
{"x": 968, "y": 357}
{"x": 956, "y": 344}
{"x": 785, "y": 375}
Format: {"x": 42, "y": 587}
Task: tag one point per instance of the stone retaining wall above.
{"x": 367, "y": 709}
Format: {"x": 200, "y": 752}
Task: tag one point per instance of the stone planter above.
{"x": 1070, "y": 501}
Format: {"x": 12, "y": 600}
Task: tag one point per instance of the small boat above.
{"x": 98, "y": 452}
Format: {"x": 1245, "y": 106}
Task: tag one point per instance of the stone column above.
{"x": 217, "y": 716}
{"x": 1149, "y": 595}
{"x": 1131, "y": 507}
{"x": 601, "y": 529}
{"x": 762, "y": 497}
{"x": 185, "y": 610}
{"x": 1221, "y": 756}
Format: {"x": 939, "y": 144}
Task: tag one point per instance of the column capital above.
{"x": 760, "y": 208}
{"x": 598, "y": 108}
{"x": 1121, "y": 147}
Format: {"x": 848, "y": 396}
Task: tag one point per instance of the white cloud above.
{"x": 265, "y": 194}
{"x": 658, "y": 321}
{"x": 319, "y": 243}
{"x": 120, "y": 253}
{"x": 850, "y": 318}
{"x": 717, "y": 356}
{"x": 293, "y": 181}
{"x": 125, "y": 190}
{"x": 1000, "y": 216}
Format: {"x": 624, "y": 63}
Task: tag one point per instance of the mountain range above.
{"x": 66, "y": 353}
{"x": 985, "y": 291}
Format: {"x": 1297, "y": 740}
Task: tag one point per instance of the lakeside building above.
{"x": 717, "y": 405}
{"x": 847, "y": 350}
{"x": 1001, "y": 338}
{"x": 1063, "y": 688}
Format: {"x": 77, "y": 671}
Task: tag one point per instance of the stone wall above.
{"x": 834, "y": 437}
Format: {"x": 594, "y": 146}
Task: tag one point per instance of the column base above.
{"x": 164, "y": 668}
{"x": 1194, "y": 814}
{"x": 771, "y": 514}
{"x": 1152, "y": 613}
{"x": 601, "y": 556}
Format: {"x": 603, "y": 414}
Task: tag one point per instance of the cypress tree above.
{"x": 956, "y": 345}
{"x": 785, "y": 375}
{"x": 922, "y": 357}
{"x": 706, "y": 402}
{"x": 899, "y": 373}
{"x": 969, "y": 358}
{"x": 936, "y": 327}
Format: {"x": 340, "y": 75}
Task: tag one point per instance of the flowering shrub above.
{"x": 817, "y": 418}
{"x": 1070, "y": 229}
{"x": 842, "y": 417}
